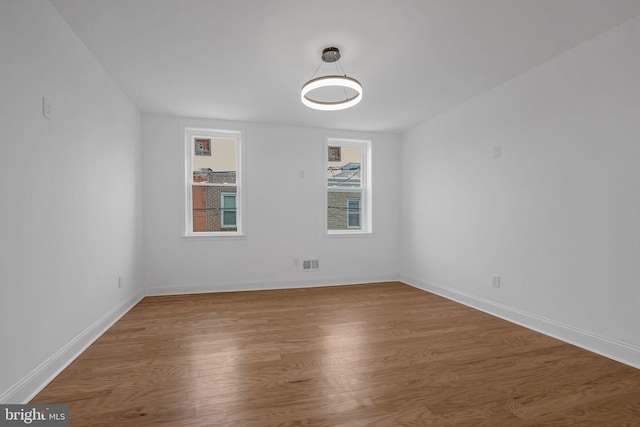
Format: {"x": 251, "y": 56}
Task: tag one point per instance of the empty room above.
{"x": 336, "y": 213}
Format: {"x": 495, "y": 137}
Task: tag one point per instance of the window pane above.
{"x": 214, "y": 160}
{"x": 229, "y": 210}
{"x": 338, "y": 211}
{"x": 353, "y": 213}
{"x": 344, "y": 166}
{"x": 344, "y": 185}
{"x": 229, "y": 218}
{"x": 207, "y": 208}
{"x": 229, "y": 201}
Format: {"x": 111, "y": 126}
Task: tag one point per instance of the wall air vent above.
{"x": 310, "y": 264}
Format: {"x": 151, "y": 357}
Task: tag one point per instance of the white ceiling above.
{"x": 247, "y": 59}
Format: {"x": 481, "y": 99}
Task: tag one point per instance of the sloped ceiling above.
{"x": 247, "y": 59}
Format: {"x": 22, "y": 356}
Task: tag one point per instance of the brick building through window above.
{"x": 214, "y": 207}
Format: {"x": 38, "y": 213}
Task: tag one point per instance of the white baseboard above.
{"x": 612, "y": 349}
{"x": 263, "y": 285}
{"x": 26, "y": 389}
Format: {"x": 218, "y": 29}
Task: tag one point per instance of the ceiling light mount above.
{"x": 331, "y": 54}
{"x": 351, "y": 87}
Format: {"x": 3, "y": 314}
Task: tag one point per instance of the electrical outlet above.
{"x": 495, "y": 281}
{"x": 296, "y": 262}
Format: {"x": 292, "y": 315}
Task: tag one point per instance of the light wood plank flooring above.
{"x": 381, "y": 354}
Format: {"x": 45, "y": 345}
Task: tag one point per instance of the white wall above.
{"x": 70, "y": 200}
{"x": 557, "y": 216}
{"x": 284, "y": 213}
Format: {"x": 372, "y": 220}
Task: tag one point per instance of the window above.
{"x": 348, "y": 166}
{"x": 214, "y": 197}
{"x": 229, "y": 212}
{"x": 353, "y": 213}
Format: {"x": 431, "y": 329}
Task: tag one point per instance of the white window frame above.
{"x": 366, "y": 202}
{"x": 191, "y": 133}
{"x": 223, "y": 209}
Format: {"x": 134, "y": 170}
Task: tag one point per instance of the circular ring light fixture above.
{"x": 331, "y": 54}
{"x": 331, "y": 81}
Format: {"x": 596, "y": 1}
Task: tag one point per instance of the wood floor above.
{"x": 368, "y": 355}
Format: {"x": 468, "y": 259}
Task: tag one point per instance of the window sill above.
{"x": 347, "y": 234}
{"x": 214, "y": 236}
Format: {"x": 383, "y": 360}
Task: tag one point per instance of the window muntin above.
{"x": 213, "y": 182}
{"x": 348, "y": 196}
